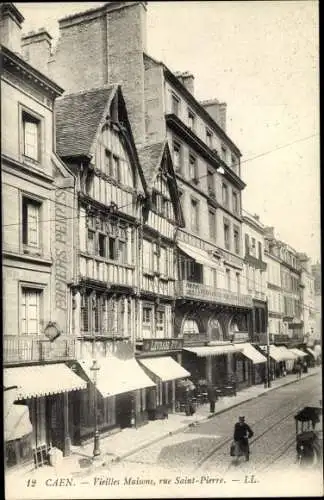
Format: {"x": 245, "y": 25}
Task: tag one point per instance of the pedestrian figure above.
{"x": 298, "y": 370}
{"x": 242, "y": 434}
{"x": 211, "y": 392}
{"x": 189, "y": 407}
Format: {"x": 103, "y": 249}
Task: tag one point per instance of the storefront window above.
{"x": 38, "y": 420}
{"x": 106, "y": 410}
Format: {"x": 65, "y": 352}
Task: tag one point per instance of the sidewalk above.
{"x": 128, "y": 441}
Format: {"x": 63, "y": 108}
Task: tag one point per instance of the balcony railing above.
{"x": 22, "y": 349}
{"x": 104, "y": 334}
{"x": 195, "y": 338}
{"x": 188, "y": 289}
{"x": 259, "y": 295}
{"x": 106, "y": 271}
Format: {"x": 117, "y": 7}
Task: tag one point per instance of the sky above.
{"x": 262, "y": 59}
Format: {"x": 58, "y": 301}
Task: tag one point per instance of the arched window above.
{"x": 238, "y": 324}
{"x": 190, "y": 327}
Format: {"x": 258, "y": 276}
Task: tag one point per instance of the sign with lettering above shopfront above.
{"x": 154, "y": 345}
{"x": 240, "y": 336}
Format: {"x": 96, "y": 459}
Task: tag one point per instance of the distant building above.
{"x": 274, "y": 289}
{"x": 317, "y": 273}
{"x": 255, "y": 272}
{"x": 307, "y": 288}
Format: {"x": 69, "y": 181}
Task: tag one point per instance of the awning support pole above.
{"x": 268, "y": 375}
{"x": 173, "y": 396}
{"x": 67, "y": 439}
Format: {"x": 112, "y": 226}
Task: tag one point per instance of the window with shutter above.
{"x": 30, "y": 311}
{"x": 163, "y": 261}
{"x": 85, "y": 304}
{"x": 31, "y": 222}
{"x": 247, "y": 244}
{"x": 160, "y": 323}
{"x": 31, "y": 130}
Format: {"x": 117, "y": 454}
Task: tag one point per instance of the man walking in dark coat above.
{"x": 242, "y": 434}
{"x": 211, "y": 392}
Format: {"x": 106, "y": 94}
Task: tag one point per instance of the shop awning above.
{"x": 313, "y": 353}
{"x": 215, "y": 350}
{"x": 252, "y": 353}
{"x": 274, "y": 353}
{"x": 201, "y": 256}
{"x": 165, "y": 368}
{"x": 298, "y": 352}
{"x": 286, "y": 354}
{"x": 16, "y": 417}
{"x": 116, "y": 376}
{"x": 37, "y": 381}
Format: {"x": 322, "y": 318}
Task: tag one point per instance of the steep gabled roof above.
{"x": 150, "y": 158}
{"x": 78, "y": 116}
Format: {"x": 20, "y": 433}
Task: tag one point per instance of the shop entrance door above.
{"x": 57, "y": 421}
{"x": 124, "y": 404}
{"x": 219, "y": 370}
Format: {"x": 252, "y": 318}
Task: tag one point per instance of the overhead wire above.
{"x": 200, "y": 177}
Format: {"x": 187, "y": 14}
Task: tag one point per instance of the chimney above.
{"x": 269, "y": 232}
{"x": 10, "y": 26}
{"x": 217, "y": 111}
{"x": 187, "y": 79}
{"x": 257, "y": 217}
{"x": 36, "y": 48}
{"x": 108, "y": 44}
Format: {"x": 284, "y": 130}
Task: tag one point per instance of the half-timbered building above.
{"x": 94, "y": 139}
{"x": 157, "y": 349}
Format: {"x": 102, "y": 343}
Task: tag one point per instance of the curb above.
{"x": 119, "y": 458}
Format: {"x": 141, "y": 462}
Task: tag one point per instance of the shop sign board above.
{"x": 153, "y": 345}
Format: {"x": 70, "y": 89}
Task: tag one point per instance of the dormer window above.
{"x": 209, "y": 138}
{"x": 191, "y": 120}
{"x": 224, "y": 153}
{"x": 175, "y": 105}
{"x": 177, "y": 157}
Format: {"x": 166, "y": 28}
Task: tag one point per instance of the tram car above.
{"x": 309, "y": 436}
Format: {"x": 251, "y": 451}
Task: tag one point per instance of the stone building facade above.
{"x": 161, "y": 106}
{"x": 37, "y": 214}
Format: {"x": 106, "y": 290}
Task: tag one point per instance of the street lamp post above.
{"x": 96, "y": 445}
{"x": 268, "y": 360}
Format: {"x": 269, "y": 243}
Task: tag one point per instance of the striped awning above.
{"x": 116, "y": 376}
{"x": 215, "y": 350}
{"x": 298, "y": 352}
{"x": 199, "y": 255}
{"x": 42, "y": 380}
{"x": 165, "y": 368}
{"x": 252, "y": 353}
{"x": 274, "y": 352}
{"x": 313, "y": 353}
{"x": 286, "y": 354}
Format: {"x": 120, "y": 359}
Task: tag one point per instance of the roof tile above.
{"x": 77, "y": 118}
{"x": 149, "y": 157}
